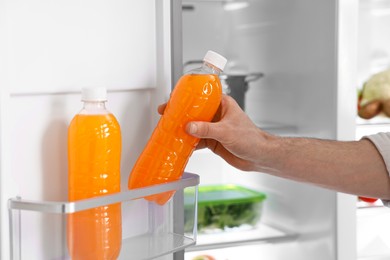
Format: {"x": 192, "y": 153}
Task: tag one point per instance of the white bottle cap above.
{"x": 94, "y": 94}
{"x": 215, "y": 59}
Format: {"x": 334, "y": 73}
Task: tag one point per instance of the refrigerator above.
{"x": 307, "y": 52}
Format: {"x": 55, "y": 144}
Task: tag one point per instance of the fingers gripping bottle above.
{"x": 94, "y": 150}
{"x": 196, "y": 97}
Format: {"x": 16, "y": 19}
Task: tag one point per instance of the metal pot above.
{"x": 237, "y": 85}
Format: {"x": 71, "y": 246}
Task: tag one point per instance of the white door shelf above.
{"x": 148, "y": 229}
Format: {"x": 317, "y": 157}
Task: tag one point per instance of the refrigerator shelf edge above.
{"x": 165, "y": 244}
{"x": 261, "y": 234}
{"x": 188, "y": 179}
{"x": 379, "y": 120}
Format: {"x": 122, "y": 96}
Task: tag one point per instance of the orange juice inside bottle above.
{"x": 196, "y": 97}
{"x": 94, "y": 150}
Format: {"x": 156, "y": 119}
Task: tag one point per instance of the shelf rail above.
{"x": 62, "y": 207}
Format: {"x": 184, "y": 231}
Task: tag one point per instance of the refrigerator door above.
{"x": 48, "y": 52}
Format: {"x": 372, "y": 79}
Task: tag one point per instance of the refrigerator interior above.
{"x": 49, "y": 51}
{"x": 373, "y": 57}
{"x": 307, "y": 52}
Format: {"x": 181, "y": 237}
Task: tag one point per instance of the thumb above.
{"x": 202, "y": 130}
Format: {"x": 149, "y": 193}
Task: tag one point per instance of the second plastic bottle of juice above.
{"x": 196, "y": 97}
{"x": 94, "y": 151}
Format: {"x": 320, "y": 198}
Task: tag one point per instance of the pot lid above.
{"x": 246, "y": 77}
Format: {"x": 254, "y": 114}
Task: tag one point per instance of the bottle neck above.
{"x": 94, "y": 107}
{"x": 211, "y": 68}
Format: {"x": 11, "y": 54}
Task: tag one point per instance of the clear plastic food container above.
{"x": 224, "y": 207}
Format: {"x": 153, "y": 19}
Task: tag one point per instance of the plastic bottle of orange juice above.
{"x": 94, "y": 151}
{"x": 196, "y": 97}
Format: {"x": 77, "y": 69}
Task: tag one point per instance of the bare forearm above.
{"x": 352, "y": 167}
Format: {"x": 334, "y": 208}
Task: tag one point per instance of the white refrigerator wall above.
{"x": 306, "y": 50}
{"x": 48, "y": 52}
